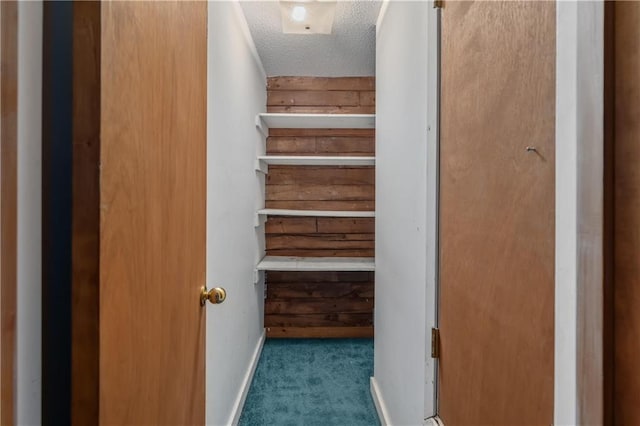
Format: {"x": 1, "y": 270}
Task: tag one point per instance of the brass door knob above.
{"x": 216, "y": 295}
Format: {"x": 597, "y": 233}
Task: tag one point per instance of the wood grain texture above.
{"x": 297, "y": 187}
{"x": 309, "y": 98}
{"x": 345, "y": 146}
{"x": 300, "y": 305}
{"x": 322, "y": 252}
{"x": 320, "y": 192}
{"x": 85, "y": 240}
{"x": 321, "y": 83}
{"x": 319, "y": 299}
{"x": 8, "y": 206}
{"x": 321, "y": 241}
{"x": 355, "y": 133}
{"x": 331, "y": 225}
{"x": 368, "y": 98}
{"x": 364, "y": 205}
{"x": 497, "y": 213}
{"x": 313, "y": 294}
{"x": 321, "y": 95}
{"x": 319, "y": 306}
{"x": 321, "y": 146}
{"x": 319, "y": 332}
{"x": 318, "y": 320}
{"x": 152, "y": 242}
{"x": 627, "y": 214}
{"x": 310, "y": 290}
{"x": 290, "y": 225}
{"x": 310, "y": 175}
{"x": 298, "y": 145}
{"x": 297, "y": 109}
{"x": 319, "y": 277}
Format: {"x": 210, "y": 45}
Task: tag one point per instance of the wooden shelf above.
{"x": 265, "y": 121}
{"x": 315, "y": 213}
{"x": 341, "y": 264}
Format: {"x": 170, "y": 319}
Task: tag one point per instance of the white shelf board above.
{"x": 286, "y": 160}
{"x": 265, "y": 121}
{"x": 316, "y": 213}
{"x": 281, "y": 263}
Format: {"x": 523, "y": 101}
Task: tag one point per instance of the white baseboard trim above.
{"x": 433, "y": 421}
{"x": 378, "y": 401}
{"x": 246, "y": 383}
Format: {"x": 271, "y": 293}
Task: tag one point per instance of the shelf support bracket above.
{"x": 260, "y": 125}
{"x": 257, "y": 276}
{"x": 261, "y": 167}
{"x": 259, "y": 220}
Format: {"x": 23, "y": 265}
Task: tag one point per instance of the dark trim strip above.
{"x": 56, "y": 212}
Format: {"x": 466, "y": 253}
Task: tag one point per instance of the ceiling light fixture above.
{"x": 307, "y": 16}
{"x": 298, "y": 13}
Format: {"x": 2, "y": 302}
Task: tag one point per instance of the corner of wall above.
{"x": 234, "y": 418}
{"x": 242, "y": 20}
{"x": 379, "y": 402}
{"x": 381, "y": 15}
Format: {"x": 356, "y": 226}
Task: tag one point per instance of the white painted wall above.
{"x": 236, "y": 93}
{"x": 579, "y": 208}
{"x": 402, "y": 232}
{"x": 29, "y": 313}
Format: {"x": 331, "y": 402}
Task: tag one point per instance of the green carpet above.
{"x": 322, "y": 382}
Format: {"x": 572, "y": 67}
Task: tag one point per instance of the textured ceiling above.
{"x": 348, "y": 51}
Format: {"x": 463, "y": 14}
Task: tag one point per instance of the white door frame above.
{"x": 578, "y": 386}
{"x": 433, "y": 186}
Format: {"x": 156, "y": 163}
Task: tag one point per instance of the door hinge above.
{"x": 437, "y": 4}
{"x": 435, "y": 343}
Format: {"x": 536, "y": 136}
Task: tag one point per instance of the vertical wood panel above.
{"x": 8, "y": 206}
{"x": 497, "y": 213}
{"x": 608, "y": 212}
{"x": 152, "y": 201}
{"x": 85, "y": 242}
{"x": 627, "y": 213}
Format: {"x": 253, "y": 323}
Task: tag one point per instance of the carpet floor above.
{"x": 322, "y": 382}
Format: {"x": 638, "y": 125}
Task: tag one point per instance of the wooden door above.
{"x": 140, "y": 144}
{"x": 152, "y": 265}
{"x": 497, "y": 213}
{"x": 626, "y": 227}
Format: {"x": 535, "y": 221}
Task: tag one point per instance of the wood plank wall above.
{"x": 320, "y": 304}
